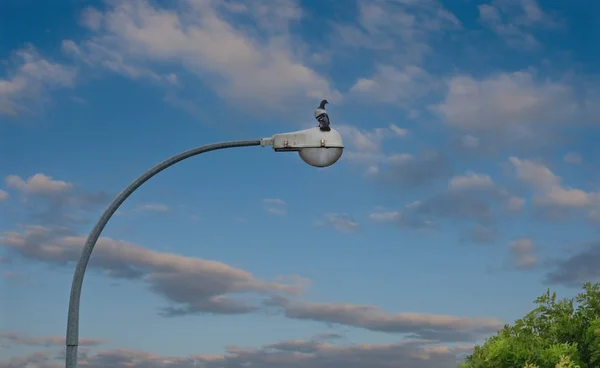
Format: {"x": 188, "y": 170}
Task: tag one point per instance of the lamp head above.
{"x": 315, "y": 147}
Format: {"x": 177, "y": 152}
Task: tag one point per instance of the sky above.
{"x": 467, "y": 187}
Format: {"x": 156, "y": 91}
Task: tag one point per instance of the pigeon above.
{"x": 322, "y": 117}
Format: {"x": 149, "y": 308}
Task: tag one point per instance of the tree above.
{"x": 556, "y": 334}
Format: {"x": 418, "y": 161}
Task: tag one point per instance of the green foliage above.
{"x": 561, "y": 333}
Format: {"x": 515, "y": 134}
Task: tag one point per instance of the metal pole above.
{"x": 72, "y": 340}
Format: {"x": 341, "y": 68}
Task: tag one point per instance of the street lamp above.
{"x": 316, "y": 147}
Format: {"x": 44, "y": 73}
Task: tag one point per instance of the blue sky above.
{"x": 467, "y": 187}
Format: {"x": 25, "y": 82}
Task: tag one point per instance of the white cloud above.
{"x": 471, "y": 198}
{"x": 261, "y": 70}
{"x": 402, "y": 220}
{"x": 341, "y": 222}
{"x": 419, "y": 325}
{"x": 548, "y": 186}
{"x": 190, "y": 285}
{"x": 413, "y": 204}
{"x": 514, "y": 35}
{"x": 33, "y": 75}
{"x": 3, "y": 195}
{"x": 470, "y": 181}
{"x": 390, "y": 85}
{"x": 515, "y": 203}
{"x": 56, "y": 202}
{"x": 408, "y": 170}
{"x": 578, "y": 268}
{"x": 402, "y": 29}
{"x": 514, "y": 21}
{"x": 534, "y": 174}
{"x": 275, "y": 206}
{"x": 399, "y": 131}
{"x": 153, "y": 207}
{"x": 91, "y": 19}
{"x": 507, "y": 100}
{"x": 21, "y": 339}
{"x": 369, "y": 140}
{"x": 98, "y": 54}
{"x": 371, "y": 171}
{"x": 365, "y": 147}
{"x": 469, "y": 141}
{"x": 14, "y": 276}
{"x": 38, "y": 184}
{"x": 573, "y": 158}
{"x": 385, "y": 216}
{"x": 523, "y": 253}
{"x": 145, "y": 207}
{"x": 480, "y": 235}
{"x": 275, "y": 201}
{"x": 302, "y": 353}
{"x": 520, "y": 110}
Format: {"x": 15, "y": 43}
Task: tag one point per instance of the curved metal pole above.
{"x": 73, "y": 317}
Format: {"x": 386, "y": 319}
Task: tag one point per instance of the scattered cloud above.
{"x": 514, "y": 21}
{"x": 327, "y": 336}
{"x": 40, "y": 359}
{"x": 388, "y": 26}
{"x": 549, "y": 190}
{"x": 14, "y": 276}
{"x": 457, "y": 206}
{"x": 469, "y": 141}
{"x": 365, "y": 147}
{"x": 417, "y": 325}
{"x": 480, "y": 235}
{"x": 390, "y": 85}
{"x": 25, "y": 86}
{"x": 79, "y": 100}
{"x": 259, "y": 70}
{"x": 55, "y": 202}
{"x": 91, "y": 19}
{"x": 402, "y": 220}
{"x": 523, "y": 253}
{"x": 153, "y": 207}
{"x": 39, "y": 184}
{"x": 267, "y": 70}
{"x": 20, "y": 339}
{"x": 401, "y": 132}
{"x": 294, "y": 354}
{"x": 190, "y": 285}
{"x": 573, "y": 158}
{"x": 146, "y": 207}
{"x": 470, "y": 198}
{"x": 384, "y": 216}
{"x": 578, "y": 268}
{"x": 470, "y": 181}
{"x": 99, "y": 55}
{"x": 505, "y": 99}
{"x": 512, "y": 108}
{"x": 275, "y": 206}
{"x": 409, "y": 170}
{"x": 341, "y": 222}
{"x": 370, "y": 140}
{"x": 515, "y": 203}
{"x": 195, "y": 218}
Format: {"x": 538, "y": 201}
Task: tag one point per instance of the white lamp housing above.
{"x": 315, "y": 147}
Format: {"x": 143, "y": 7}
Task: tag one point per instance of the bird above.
{"x": 322, "y": 117}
